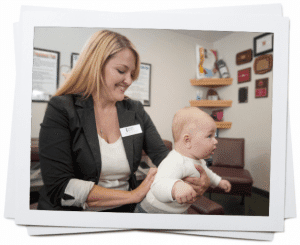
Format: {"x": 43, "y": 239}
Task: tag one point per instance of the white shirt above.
{"x": 173, "y": 168}
{"x": 115, "y": 173}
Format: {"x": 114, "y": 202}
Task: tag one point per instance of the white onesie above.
{"x": 173, "y": 168}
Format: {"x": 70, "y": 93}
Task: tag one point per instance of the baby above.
{"x": 194, "y": 140}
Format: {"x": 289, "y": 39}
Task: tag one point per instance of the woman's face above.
{"x": 118, "y": 73}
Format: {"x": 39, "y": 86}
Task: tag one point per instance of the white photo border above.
{"x": 275, "y": 220}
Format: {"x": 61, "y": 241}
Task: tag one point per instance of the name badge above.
{"x": 131, "y": 130}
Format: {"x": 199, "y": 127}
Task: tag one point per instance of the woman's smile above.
{"x": 118, "y": 74}
{"x": 122, "y": 87}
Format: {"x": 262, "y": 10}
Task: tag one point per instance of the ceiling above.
{"x": 207, "y": 36}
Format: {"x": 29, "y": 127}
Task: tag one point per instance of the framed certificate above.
{"x": 74, "y": 58}
{"x": 45, "y": 72}
{"x": 263, "y": 44}
{"x": 140, "y": 89}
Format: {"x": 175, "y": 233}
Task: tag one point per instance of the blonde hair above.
{"x": 87, "y": 74}
{"x": 184, "y": 118}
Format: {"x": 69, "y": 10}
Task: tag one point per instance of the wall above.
{"x": 251, "y": 120}
{"x": 172, "y": 59}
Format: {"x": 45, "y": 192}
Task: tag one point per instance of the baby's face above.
{"x": 203, "y": 140}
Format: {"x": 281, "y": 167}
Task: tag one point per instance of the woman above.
{"x": 82, "y": 134}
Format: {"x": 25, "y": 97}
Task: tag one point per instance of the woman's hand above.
{"x": 140, "y": 192}
{"x": 104, "y": 197}
{"x": 201, "y": 184}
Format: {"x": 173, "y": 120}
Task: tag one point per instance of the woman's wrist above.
{"x": 136, "y": 196}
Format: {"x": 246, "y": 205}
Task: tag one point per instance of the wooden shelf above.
{"x": 211, "y": 103}
{"x": 224, "y": 124}
{"x": 211, "y": 82}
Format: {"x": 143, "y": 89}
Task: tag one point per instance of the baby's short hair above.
{"x": 183, "y": 118}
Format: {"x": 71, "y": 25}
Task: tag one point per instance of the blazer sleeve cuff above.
{"x": 76, "y": 193}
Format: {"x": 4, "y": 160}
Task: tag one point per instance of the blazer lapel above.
{"x": 87, "y": 118}
{"x": 126, "y": 118}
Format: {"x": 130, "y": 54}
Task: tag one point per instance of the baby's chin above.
{"x": 208, "y": 156}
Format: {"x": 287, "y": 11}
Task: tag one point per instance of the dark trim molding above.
{"x": 260, "y": 192}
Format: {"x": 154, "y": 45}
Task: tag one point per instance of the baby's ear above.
{"x": 187, "y": 141}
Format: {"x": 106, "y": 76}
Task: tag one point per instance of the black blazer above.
{"x": 69, "y": 146}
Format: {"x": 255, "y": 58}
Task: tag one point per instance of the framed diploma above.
{"x": 140, "y": 89}
{"x": 45, "y": 72}
{"x": 74, "y": 58}
{"x": 263, "y": 44}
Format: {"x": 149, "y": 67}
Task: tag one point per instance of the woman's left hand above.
{"x": 201, "y": 184}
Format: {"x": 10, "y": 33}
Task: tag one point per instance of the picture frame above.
{"x": 141, "y": 88}
{"x": 263, "y": 64}
{"x": 74, "y": 58}
{"x": 206, "y": 65}
{"x": 261, "y": 88}
{"x": 244, "y": 57}
{"x": 243, "y": 95}
{"x": 45, "y": 74}
{"x": 244, "y": 75}
{"x": 263, "y": 44}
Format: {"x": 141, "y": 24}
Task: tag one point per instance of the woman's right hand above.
{"x": 141, "y": 191}
{"x": 201, "y": 184}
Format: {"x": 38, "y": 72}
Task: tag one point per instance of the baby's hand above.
{"x": 225, "y": 185}
{"x": 183, "y": 192}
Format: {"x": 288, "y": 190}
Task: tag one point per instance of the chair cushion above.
{"x": 203, "y": 205}
{"x": 233, "y": 175}
{"x": 240, "y": 179}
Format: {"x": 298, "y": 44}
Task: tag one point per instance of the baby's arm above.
{"x": 215, "y": 179}
{"x": 225, "y": 185}
{"x": 168, "y": 185}
{"x": 183, "y": 192}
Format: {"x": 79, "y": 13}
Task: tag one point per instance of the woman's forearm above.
{"x": 104, "y": 197}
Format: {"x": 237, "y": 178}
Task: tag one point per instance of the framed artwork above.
{"x": 140, "y": 89}
{"x": 263, "y": 44}
{"x": 206, "y": 62}
{"x": 243, "y": 95}
{"x": 74, "y": 58}
{"x": 45, "y": 74}
{"x": 263, "y": 64}
{"x": 244, "y": 57}
{"x": 261, "y": 88}
{"x": 244, "y": 75}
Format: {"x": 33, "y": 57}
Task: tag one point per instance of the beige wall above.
{"x": 251, "y": 120}
{"x": 172, "y": 57}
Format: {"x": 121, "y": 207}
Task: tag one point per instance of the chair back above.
{"x": 229, "y": 153}
{"x": 35, "y": 150}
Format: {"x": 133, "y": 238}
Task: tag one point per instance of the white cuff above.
{"x": 76, "y": 193}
